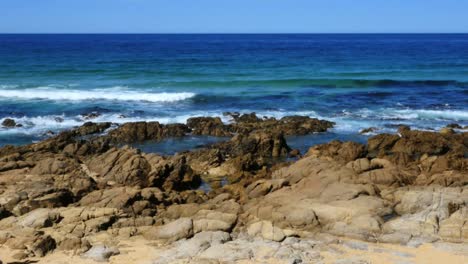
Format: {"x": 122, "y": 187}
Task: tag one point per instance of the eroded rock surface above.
{"x": 80, "y": 191}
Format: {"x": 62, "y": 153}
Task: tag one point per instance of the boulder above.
{"x": 122, "y": 166}
{"x": 8, "y": 122}
{"x": 173, "y": 231}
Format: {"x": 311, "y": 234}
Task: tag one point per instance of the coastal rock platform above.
{"x": 84, "y": 196}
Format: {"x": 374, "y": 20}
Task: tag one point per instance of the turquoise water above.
{"x": 47, "y": 82}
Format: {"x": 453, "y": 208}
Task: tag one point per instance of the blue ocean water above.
{"x": 48, "y": 81}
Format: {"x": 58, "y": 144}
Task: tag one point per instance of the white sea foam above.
{"x": 116, "y": 94}
{"x": 408, "y": 114}
{"x": 456, "y": 115}
{"x": 346, "y": 123}
{"x": 42, "y": 124}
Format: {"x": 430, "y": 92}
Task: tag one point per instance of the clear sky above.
{"x": 232, "y": 16}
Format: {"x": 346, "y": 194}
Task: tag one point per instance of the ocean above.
{"x": 49, "y": 82}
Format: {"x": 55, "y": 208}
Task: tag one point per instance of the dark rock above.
{"x": 212, "y": 126}
{"x": 8, "y": 122}
{"x": 248, "y": 118}
{"x": 4, "y": 213}
{"x": 42, "y": 245}
{"x": 141, "y": 131}
{"x": 89, "y": 128}
{"x": 368, "y": 130}
{"x": 91, "y": 115}
{"x": 454, "y": 125}
{"x": 234, "y": 115}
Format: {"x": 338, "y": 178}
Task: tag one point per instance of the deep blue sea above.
{"x": 358, "y": 81}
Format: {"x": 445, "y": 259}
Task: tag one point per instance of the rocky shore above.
{"x": 85, "y": 196}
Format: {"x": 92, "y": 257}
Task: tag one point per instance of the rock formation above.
{"x": 83, "y": 191}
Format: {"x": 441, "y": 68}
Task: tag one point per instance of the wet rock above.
{"x": 8, "y": 122}
{"x": 289, "y": 125}
{"x": 261, "y": 144}
{"x": 454, "y": 125}
{"x": 212, "y": 126}
{"x": 89, "y": 128}
{"x": 234, "y": 115}
{"x": 368, "y": 130}
{"x": 248, "y": 118}
{"x": 141, "y": 131}
{"x": 91, "y": 115}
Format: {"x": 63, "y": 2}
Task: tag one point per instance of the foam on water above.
{"x": 455, "y": 115}
{"x": 42, "y": 124}
{"x": 115, "y": 94}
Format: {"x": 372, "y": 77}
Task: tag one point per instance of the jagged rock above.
{"x": 339, "y": 151}
{"x": 119, "y": 198}
{"x": 141, "y": 131}
{"x": 368, "y": 130}
{"x": 92, "y": 128}
{"x": 122, "y": 166}
{"x": 262, "y": 187}
{"x": 212, "y": 126}
{"x": 42, "y": 245}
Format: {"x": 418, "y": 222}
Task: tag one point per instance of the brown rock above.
{"x": 141, "y": 131}
{"x": 122, "y": 166}
{"x": 212, "y": 126}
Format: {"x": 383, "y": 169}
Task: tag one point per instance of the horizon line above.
{"x": 227, "y": 33}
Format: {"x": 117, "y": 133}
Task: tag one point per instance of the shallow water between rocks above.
{"x": 173, "y": 145}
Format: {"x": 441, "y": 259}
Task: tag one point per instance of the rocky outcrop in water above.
{"x": 8, "y": 122}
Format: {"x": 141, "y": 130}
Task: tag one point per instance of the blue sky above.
{"x": 232, "y": 16}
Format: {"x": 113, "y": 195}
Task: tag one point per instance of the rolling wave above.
{"x": 114, "y": 94}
